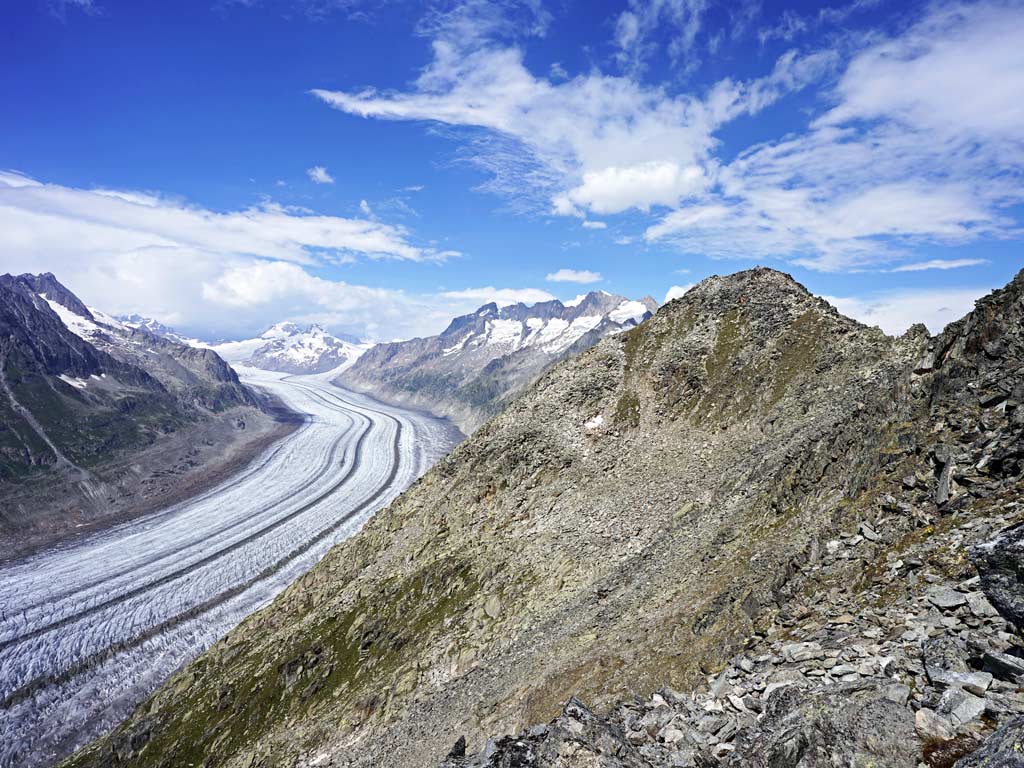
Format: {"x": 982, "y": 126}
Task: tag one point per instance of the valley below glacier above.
{"x": 87, "y": 630}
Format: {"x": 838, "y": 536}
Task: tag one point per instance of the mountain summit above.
{"x": 749, "y": 504}
{"x": 292, "y": 348}
{"x": 473, "y": 368}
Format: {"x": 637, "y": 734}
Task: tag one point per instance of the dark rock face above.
{"x": 1000, "y": 563}
{"x": 1003, "y": 749}
{"x": 48, "y": 285}
{"x": 851, "y": 724}
{"x": 28, "y": 325}
{"x": 576, "y": 738}
{"x": 473, "y": 368}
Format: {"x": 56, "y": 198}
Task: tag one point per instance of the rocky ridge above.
{"x": 749, "y": 498}
{"x": 898, "y": 642}
{"x": 480, "y": 362}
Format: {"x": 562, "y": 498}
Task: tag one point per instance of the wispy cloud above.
{"x": 59, "y": 8}
{"x": 596, "y": 142}
{"x": 500, "y": 296}
{"x": 584, "y": 276}
{"x": 636, "y": 28}
{"x": 53, "y": 218}
{"x": 792, "y": 24}
{"x": 917, "y": 147}
{"x": 921, "y": 266}
{"x": 918, "y": 139}
{"x": 319, "y": 175}
{"x": 213, "y": 273}
{"x": 896, "y": 311}
{"x": 591, "y": 224}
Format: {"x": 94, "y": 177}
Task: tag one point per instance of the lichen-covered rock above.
{"x": 1000, "y": 563}
{"x": 853, "y": 724}
{"x": 1003, "y": 749}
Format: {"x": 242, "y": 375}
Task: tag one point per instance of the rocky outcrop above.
{"x": 750, "y": 505}
{"x": 886, "y": 649}
{"x": 1004, "y": 749}
{"x": 1000, "y": 563}
{"x": 482, "y": 360}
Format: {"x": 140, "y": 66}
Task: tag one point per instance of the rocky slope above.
{"x": 482, "y": 360}
{"x": 749, "y": 498}
{"x": 79, "y": 391}
{"x": 291, "y": 348}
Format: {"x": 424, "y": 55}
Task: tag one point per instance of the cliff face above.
{"x": 638, "y": 517}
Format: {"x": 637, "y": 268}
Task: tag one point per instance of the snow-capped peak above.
{"x": 550, "y": 327}
{"x": 292, "y": 348}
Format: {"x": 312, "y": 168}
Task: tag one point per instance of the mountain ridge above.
{"x": 742, "y": 426}
{"x": 484, "y": 358}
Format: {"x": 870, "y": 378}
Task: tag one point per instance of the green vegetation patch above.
{"x": 338, "y": 670}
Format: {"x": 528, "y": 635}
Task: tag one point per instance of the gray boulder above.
{"x": 850, "y": 725}
{"x": 1000, "y": 563}
{"x": 1003, "y": 749}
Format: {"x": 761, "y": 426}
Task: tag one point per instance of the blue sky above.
{"x": 381, "y": 166}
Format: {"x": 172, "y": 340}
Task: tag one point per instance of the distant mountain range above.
{"x": 467, "y": 373}
{"x": 472, "y": 369}
{"x": 284, "y": 347}
{"x": 292, "y": 348}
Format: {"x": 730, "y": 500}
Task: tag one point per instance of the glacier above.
{"x": 88, "y": 629}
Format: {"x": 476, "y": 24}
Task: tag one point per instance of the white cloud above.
{"x": 676, "y": 291}
{"x": 594, "y": 142}
{"x": 50, "y": 218}
{"x": 920, "y": 266}
{"x": 638, "y": 28}
{"x": 895, "y": 312}
{"x": 959, "y": 72}
{"x": 918, "y": 147}
{"x": 209, "y": 273}
{"x": 919, "y": 140}
{"x": 594, "y": 225}
{"x": 500, "y": 296}
{"x": 614, "y": 189}
{"x": 364, "y": 207}
{"x": 319, "y": 175}
{"x": 574, "y": 276}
